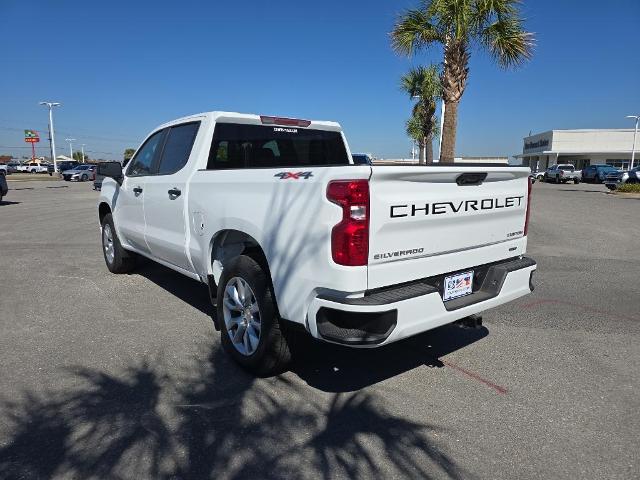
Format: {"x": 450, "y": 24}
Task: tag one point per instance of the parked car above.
{"x": 631, "y": 176}
{"x": 64, "y": 165}
{"x": 4, "y": 187}
{"x": 362, "y": 159}
{"x": 289, "y": 242}
{"x": 81, "y": 173}
{"x": 562, "y": 173}
{"x": 598, "y": 173}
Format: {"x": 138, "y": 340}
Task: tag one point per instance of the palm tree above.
{"x": 423, "y": 83}
{"x": 458, "y": 25}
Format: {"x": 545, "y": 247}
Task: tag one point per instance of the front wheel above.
{"x": 576, "y": 181}
{"x": 118, "y": 260}
{"x": 249, "y": 322}
{"x": 84, "y": 178}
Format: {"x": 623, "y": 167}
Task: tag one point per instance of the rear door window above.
{"x": 262, "y": 146}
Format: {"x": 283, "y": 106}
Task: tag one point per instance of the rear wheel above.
{"x": 576, "y": 181}
{"x": 251, "y": 331}
{"x": 84, "y": 178}
{"x": 118, "y": 259}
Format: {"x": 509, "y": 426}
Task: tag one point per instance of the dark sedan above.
{"x": 632, "y": 176}
{"x": 4, "y": 188}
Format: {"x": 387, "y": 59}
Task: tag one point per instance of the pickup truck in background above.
{"x": 562, "y": 173}
{"x": 292, "y": 237}
{"x": 33, "y": 168}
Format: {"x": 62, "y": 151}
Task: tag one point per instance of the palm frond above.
{"x": 414, "y": 31}
{"x": 508, "y": 42}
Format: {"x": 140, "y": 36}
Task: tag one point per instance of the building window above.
{"x": 619, "y": 164}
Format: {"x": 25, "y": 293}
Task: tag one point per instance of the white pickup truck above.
{"x": 33, "y": 168}
{"x": 290, "y": 235}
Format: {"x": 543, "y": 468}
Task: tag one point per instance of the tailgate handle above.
{"x": 475, "y": 178}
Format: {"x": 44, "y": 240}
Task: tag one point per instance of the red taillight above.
{"x": 526, "y": 220}
{"x": 289, "y": 122}
{"x": 350, "y": 237}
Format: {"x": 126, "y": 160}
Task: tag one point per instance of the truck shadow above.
{"x": 212, "y": 420}
{"x": 333, "y": 368}
{"x": 189, "y": 291}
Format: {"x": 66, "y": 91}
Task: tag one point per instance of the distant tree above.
{"x": 423, "y": 83}
{"x": 495, "y": 26}
{"x": 78, "y": 156}
{"x": 128, "y": 153}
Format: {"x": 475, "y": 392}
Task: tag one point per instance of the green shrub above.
{"x": 629, "y": 188}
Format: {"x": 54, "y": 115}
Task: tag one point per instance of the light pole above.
{"x": 635, "y": 133}
{"x": 82, "y": 146}
{"x": 52, "y": 140}
{"x": 70, "y": 140}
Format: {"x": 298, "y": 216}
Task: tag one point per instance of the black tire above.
{"x": 84, "y": 178}
{"x": 123, "y": 261}
{"x": 272, "y": 354}
{"x": 576, "y": 181}
{"x": 557, "y": 179}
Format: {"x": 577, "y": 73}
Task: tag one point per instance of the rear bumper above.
{"x": 390, "y": 314}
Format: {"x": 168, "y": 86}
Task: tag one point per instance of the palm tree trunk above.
{"x": 449, "y": 130}
{"x": 430, "y": 149}
{"x": 421, "y": 154}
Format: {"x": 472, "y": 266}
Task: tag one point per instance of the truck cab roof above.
{"x": 255, "y": 119}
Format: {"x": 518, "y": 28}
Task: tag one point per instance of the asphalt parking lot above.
{"x": 105, "y": 376}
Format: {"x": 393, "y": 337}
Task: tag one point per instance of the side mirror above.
{"x": 112, "y": 170}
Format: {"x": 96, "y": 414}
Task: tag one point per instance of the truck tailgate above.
{"x": 429, "y": 220}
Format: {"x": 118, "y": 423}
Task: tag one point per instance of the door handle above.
{"x": 137, "y": 190}
{"x": 174, "y": 193}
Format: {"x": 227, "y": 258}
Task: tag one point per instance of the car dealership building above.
{"x": 578, "y": 147}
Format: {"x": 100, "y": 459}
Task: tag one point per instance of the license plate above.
{"x": 457, "y": 285}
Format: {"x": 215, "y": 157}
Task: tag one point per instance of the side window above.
{"x": 177, "y": 147}
{"x": 141, "y": 164}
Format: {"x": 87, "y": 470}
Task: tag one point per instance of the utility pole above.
{"x": 52, "y": 140}
{"x": 70, "y": 140}
{"x": 635, "y": 133}
{"x": 82, "y": 146}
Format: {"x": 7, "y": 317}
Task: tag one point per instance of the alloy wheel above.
{"x": 107, "y": 243}
{"x": 241, "y": 316}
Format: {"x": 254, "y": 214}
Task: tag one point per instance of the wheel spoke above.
{"x": 255, "y": 325}
{"x": 241, "y": 291}
{"x": 231, "y": 321}
{"x": 245, "y": 341}
{"x": 237, "y": 338}
{"x": 230, "y": 304}
{"x": 232, "y": 291}
{"x": 253, "y": 339}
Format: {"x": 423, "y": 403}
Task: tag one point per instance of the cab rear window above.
{"x": 261, "y": 146}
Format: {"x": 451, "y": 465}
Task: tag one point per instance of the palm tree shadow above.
{"x": 210, "y": 420}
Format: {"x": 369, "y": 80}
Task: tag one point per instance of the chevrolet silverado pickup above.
{"x": 290, "y": 235}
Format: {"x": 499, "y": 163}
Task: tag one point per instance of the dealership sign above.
{"x": 539, "y": 144}
{"x": 31, "y": 136}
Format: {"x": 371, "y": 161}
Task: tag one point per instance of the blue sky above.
{"x": 122, "y": 67}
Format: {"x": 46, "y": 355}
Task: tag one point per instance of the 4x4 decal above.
{"x": 294, "y": 175}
